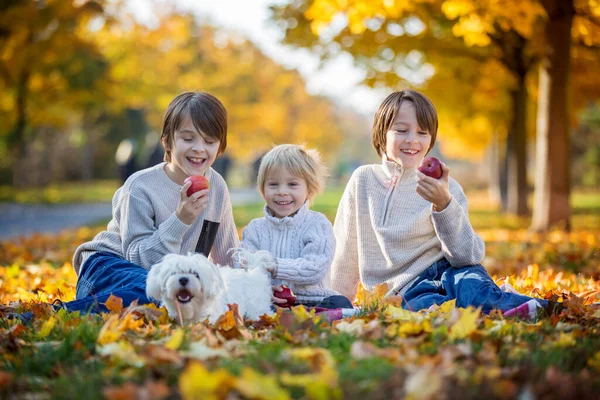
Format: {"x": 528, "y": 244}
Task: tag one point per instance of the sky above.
{"x": 337, "y": 79}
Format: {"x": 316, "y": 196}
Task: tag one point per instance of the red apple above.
{"x": 199, "y": 182}
{"x": 432, "y": 167}
{"x": 286, "y": 294}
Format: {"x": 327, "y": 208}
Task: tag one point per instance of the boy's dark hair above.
{"x": 387, "y": 111}
{"x": 207, "y": 113}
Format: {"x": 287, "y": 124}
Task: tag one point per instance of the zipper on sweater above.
{"x": 393, "y": 181}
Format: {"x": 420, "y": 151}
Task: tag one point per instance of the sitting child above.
{"x": 301, "y": 240}
{"x": 397, "y": 226}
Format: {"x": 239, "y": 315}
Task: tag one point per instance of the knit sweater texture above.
{"x": 303, "y": 245}
{"x": 144, "y": 226}
{"x": 387, "y": 233}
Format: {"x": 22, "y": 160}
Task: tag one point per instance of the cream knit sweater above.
{"x": 388, "y": 233}
{"x": 144, "y": 227}
{"x": 303, "y": 245}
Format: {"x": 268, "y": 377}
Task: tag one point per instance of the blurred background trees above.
{"x": 514, "y": 82}
{"x": 76, "y": 80}
{"x": 486, "y": 65}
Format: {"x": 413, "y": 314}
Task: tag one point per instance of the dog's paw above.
{"x": 249, "y": 259}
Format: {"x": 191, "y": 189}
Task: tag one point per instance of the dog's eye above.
{"x": 196, "y": 275}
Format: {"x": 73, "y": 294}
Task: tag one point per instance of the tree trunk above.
{"x": 552, "y": 178}
{"x": 17, "y": 141}
{"x": 516, "y": 152}
{"x": 493, "y": 161}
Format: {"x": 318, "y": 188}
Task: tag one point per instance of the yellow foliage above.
{"x": 175, "y": 340}
{"x": 466, "y": 324}
{"x": 198, "y": 383}
{"x": 47, "y": 327}
{"x": 254, "y": 385}
{"x": 366, "y": 298}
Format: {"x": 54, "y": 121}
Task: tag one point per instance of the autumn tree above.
{"x": 266, "y": 103}
{"x": 383, "y": 35}
{"x": 46, "y": 69}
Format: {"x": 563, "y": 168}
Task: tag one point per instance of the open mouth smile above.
{"x": 409, "y": 152}
{"x": 197, "y": 161}
{"x": 184, "y": 296}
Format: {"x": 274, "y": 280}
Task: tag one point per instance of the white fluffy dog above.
{"x": 194, "y": 289}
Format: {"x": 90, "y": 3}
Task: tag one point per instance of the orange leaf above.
{"x": 114, "y": 303}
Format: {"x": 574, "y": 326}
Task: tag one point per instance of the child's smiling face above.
{"x": 192, "y": 152}
{"x": 284, "y": 192}
{"x": 406, "y": 143}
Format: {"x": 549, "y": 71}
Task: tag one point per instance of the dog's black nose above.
{"x": 183, "y": 281}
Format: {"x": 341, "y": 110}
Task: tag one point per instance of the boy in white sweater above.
{"x": 397, "y": 226}
{"x": 300, "y": 240}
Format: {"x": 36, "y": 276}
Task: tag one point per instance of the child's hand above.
{"x": 190, "y": 208}
{"x": 435, "y": 190}
{"x": 277, "y": 300}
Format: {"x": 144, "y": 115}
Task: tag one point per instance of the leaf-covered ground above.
{"x": 383, "y": 353}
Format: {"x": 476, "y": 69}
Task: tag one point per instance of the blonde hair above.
{"x": 299, "y": 161}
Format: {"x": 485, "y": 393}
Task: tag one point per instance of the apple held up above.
{"x": 199, "y": 182}
{"x": 285, "y": 294}
{"x": 432, "y": 167}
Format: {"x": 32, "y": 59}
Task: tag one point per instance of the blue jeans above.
{"x": 104, "y": 274}
{"x": 470, "y": 286}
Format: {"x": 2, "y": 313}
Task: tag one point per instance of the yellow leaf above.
{"x": 412, "y": 328}
{"x": 196, "y": 382}
{"x": 47, "y": 328}
{"x": 466, "y": 325}
{"x": 302, "y": 314}
{"x": 565, "y": 340}
{"x": 123, "y": 352}
{"x": 114, "y": 303}
{"x": 253, "y": 385}
{"x": 400, "y": 314}
{"x": 365, "y": 297}
{"x": 175, "y": 340}
{"x": 110, "y": 331}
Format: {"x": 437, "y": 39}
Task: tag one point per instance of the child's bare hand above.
{"x": 277, "y": 300}
{"x": 436, "y": 191}
{"x": 190, "y": 208}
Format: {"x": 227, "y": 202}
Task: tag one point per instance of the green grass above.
{"x": 483, "y": 214}
{"x": 63, "y": 193}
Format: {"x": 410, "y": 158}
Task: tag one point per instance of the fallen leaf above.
{"x": 114, "y": 303}
{"x": 253, "y": 385}
{"x": 466, "y": 324}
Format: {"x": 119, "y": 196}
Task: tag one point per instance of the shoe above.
{"x": 57, "y": 304}
{"x": 527, "y": 311}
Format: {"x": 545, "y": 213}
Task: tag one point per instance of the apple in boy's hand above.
{"x": 285, "y": 294}
{"x": 432, "y": 167}
{"x": 199, "y": 182}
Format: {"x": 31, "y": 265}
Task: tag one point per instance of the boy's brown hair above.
{"x": 387, "y": 111}
{"x": 207, "y": 113}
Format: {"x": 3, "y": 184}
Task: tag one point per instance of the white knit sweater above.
{"x": 388, "y": 233}
{"x": 303, "y": 245}
{"x": 144, "y": 227}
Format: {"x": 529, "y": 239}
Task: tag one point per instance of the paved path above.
{"x": 23, "y": 220}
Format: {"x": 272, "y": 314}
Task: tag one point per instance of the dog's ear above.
{"x": 154, "y": 281}
{"x": 211, "y": 278}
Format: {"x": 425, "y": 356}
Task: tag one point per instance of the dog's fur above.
{"x": 204, "y": 289}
